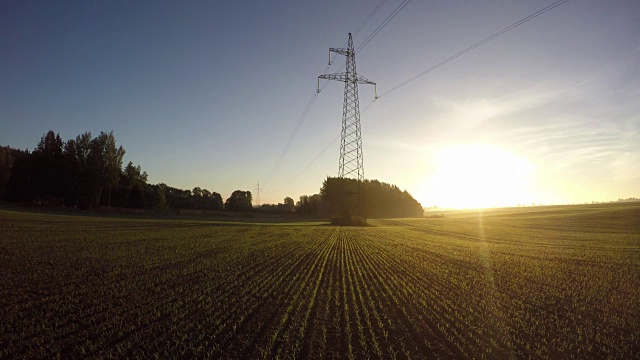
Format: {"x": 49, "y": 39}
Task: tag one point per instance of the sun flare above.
{"x": 480, "y": 176}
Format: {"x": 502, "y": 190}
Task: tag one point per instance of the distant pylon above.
{"x": 257, "y": 189}
{"x": 351, "y": 159}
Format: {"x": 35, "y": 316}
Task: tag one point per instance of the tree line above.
{"x": 382, "y": 200}
{"x": 286, "y": 207}
{"x": 87, "y": 172}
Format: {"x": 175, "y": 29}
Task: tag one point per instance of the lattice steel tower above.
{"x": 351, "y": 162}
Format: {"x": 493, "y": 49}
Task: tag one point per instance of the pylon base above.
{"x": 351, "y": 220}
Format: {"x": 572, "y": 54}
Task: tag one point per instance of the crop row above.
{"x": 462, "y": 288}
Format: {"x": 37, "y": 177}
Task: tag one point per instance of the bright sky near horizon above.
{"x": 207, "y": 93}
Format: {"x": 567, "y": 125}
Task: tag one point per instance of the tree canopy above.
{"x": 86, "y": 172}
{"x": 382, "y": 200}
{"x": 239, "y": 201}
{"x": 288, "y": 206}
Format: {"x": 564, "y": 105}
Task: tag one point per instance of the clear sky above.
{"x": 207, "y": 93}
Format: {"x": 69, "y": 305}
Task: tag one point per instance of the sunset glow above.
{"x": 478, "y": 176}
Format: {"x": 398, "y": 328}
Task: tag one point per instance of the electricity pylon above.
{"x": 257, "y": 189}
{"x": 352, "y": 196}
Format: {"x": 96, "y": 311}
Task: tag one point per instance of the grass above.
{"x": 545, "y": 282}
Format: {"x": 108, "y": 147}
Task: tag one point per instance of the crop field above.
{"x": 542, "y": 282}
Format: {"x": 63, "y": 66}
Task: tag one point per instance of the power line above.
{"x": 308, "y": 165}
{"x": 367, "y": 20}
{"x": 375, "y": 32}
{"x": 383, "y": 24}
{"x": 479, "y": 43}
{"x": 295, "y": 131}
{"x": 314, "y": 96}
{"x": 485, "y": 40}
{"x": 335, "y": 139}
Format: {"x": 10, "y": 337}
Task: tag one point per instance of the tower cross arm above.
{"x": 344, "y": 77}
{"x": 341, "y": 51}
{"x": 363, "y": 80}
{"x": 337, "y": 76}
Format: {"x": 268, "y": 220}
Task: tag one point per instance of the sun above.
{"x": 480, "y": 176}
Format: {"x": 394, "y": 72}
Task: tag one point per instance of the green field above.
{"x": 542, "y": 282}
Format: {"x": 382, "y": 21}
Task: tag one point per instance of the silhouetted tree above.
{"x": 381, "y": 199}
{"x": 105, "y": 164}
{"x": 80, "y": 150}
{"x": 210, "y": 200}
{"x": 81, "y": 170}
{"x": 14, "y": 164}
{"x": 205, "y": 195}
{"x": 177, "y": 198}
{"x": 239, "y": 201}
{"x": 289, "y": 204}
{"x": 48, "y": 168}
{"x": 216, "y": 201}
{"x": 196, "y": 195}
{"x": 155, "y": 197}
{"x": 6, "y": 163}
{"x": 312, "y": 205}
{"x": 134, "y": 182}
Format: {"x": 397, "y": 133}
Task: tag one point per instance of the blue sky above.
{"x": 207, "y": 93}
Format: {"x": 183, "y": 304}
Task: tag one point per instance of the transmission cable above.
{"x": 479, "y": 43}
{"x": 313, "y": 98}
{"x": 295, "y": 131}
{"x": 368, "y": 18}
{"x": 383, "y": 24}
{"x": 311, "y": 101}
{"x": 335, "y": 139}
{"x": 370, "y": 37}
{"x": 375, "y": 32}
{"x": 308, "y": 165}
